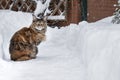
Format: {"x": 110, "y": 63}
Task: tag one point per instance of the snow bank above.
{"x": 100, "y": 48}
{"x": 9, "y": 24}
{"x": 97, "y": 44}
{"x": 84, "y": 51}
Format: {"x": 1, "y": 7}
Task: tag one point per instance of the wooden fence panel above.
{"x": 18, "y": 5}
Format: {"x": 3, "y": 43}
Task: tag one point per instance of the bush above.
{"x": 116, "y": 18}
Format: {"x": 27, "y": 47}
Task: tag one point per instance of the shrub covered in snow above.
{"x": 116, "y": 18}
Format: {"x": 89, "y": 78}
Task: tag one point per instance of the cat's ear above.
{"x": 34, "y": 17}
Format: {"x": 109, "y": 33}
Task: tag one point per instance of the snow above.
{"x": 41, "y": 7}
{"x": 118, "y": 1}
{"x": 56, "y": 17}
{"x": 84, "y": 51}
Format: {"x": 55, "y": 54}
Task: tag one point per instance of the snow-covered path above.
{"x": 52, "y": 63}
{"x": 55, "y": 61}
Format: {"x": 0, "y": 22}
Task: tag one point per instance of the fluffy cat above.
{"x": 23, "y": 44}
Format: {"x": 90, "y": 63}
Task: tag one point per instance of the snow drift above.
{"x": 84, "y": 51}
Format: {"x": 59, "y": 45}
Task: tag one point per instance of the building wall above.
{"x": 74, "y": 12}
{"x": 98, "y": 9}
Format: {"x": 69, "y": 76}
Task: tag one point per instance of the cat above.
{"x": 23, "y": 44}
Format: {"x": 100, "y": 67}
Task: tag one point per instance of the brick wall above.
{"x": 98, "y": 9}
{"x": 73, "y": 11}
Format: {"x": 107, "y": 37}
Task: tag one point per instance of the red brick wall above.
{"x": 98, "y": 9}
{"x": 73, "y": 11}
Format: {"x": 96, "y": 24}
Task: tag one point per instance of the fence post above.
{"x": 83, "y": 10}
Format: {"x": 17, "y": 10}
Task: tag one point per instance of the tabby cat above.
{"x": 23, "y": 44}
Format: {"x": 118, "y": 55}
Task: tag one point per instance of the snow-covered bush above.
{"x": 116, "y": 18}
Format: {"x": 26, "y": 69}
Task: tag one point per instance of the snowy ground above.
{"x": 87, "y": 51}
